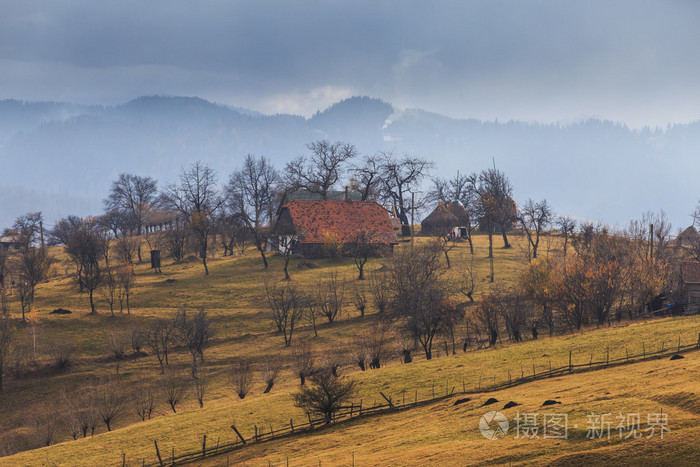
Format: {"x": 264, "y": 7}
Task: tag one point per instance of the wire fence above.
{"x": 406, "y": 400}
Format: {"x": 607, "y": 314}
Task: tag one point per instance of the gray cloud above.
{"x": 634, "y": 61}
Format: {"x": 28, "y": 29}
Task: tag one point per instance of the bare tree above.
{"x": 144, "y": 401}
{"x": 199, "y": 377}
{"x": 379, "y": 289}
{"x": 269, "y": 375}
{"x": 138, "y": 338}
{"x": 135, "y": 196}
{"x": 251, "y": 194}
{"x": 32, "y": 262}
{"x": 400, "y": 177}
{"x": 125, "y": 280}
{"x": 194, "y": 333}
{"x": 419, "y": 295}
{"x": 330, "y": 297}
{"x": 6, "y": 339}
{"x": 534, "y": 219}
{"x": 366, "y": 178}
{"x": 566, "y": 226}
{"x": 323, "y": 169}
{"x": 45, "y": 424}
{"x": 172, "y": 387}
{"x": 286, "y": 308}
{"x": 302, "y": 361}
{"x": 375, "y": 342}
{"x": 85, "y": 246}
{"x": 359, "y": 299}
{"x": 197, "y": 200}
{"x": 538, "y": 283}
{"x": 61, "y": 352}
{"x": 361, "y": 246}
{"x": 325, "y": 396}
{"x": 487, "y": 315}
{"x": 405, "y": 346}
{"x": 117, "y": 345}
{"x": 176, "y": 239}
{"x": 159, "y": 338}
{"x": 241, "y": 377}
{"x": 109, "y": 402}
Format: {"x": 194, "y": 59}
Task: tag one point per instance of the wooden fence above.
{"x": 261, "y": 434}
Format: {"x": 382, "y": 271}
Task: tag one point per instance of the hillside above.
{"x": 234, "y": 297}
{"x": 73, "y": 153}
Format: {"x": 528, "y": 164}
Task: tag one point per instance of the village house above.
{"x": 312, "y": 227}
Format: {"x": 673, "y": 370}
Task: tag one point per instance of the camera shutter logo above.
{"x": 493, "y": 425}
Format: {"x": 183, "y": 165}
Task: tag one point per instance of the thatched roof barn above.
{"x": 689, "y": 236}
{"x": 440, "y": 220}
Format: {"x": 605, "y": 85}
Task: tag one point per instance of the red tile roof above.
{"x": 343, "y": 218}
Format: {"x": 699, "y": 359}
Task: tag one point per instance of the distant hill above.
{"x": 594, "y": 169}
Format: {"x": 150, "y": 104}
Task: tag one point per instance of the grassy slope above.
{"x": 184, "y": 430}
{"x": 442, "y": 433}
{"x": 233, "y": 295}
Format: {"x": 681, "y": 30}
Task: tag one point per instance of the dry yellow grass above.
{"x": 233, "y": 295}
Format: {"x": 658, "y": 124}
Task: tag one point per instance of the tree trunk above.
{"x": 262, "y": 254}
{"x": 92, "y": 304}
{"x": 506, "y": 244}
{"x": 206, "y": 268}
{"x": 447, "y": 258}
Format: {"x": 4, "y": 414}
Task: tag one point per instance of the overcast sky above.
{"x": 632, "y": 61}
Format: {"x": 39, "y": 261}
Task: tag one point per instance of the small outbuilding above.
{"x": 449, "y": 217}
{"x": 688, "y": 237}
{"x": 690, "y": 280}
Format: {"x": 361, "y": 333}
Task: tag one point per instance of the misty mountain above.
{"x": 61, "y": 158}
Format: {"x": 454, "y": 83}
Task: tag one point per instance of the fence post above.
{"x": 607, "y": 358}
{"x": 571, "y": 368}
{"x": 172, "y": 456}
{"x": 204, "y": 446}
{"x": 291, "y": 424}
{"x": 446, "y": 386}
{"x": 590, "y": 363}
{"x": 679, "y": 343}
{"x": 644, "y": 349}
{"x": 464, "y": 387}
{"x": 123, "y": 459}
{"x": 533, "y": 371}
{"x": 160, "y": 460}
{"x": 628, "y": 354}
{"x": 550, "y": 367}
{"x": 233, "y": 427}
{"x": 433, "y": 389}
{"x": 699, "y": 339}
{"x": 509, "y": 377}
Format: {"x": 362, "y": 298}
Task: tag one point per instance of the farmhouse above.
{"x": 313, "y": 227}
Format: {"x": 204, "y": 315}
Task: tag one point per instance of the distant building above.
{"x": 688, "y": 237}
{"x": 314, "y": 224}
{"x": 8, "y": 242}
{"x": 447, "y": 217}
{"x": 690, "y": 279}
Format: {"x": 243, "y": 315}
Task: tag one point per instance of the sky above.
{"x": 635, "y": 62}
